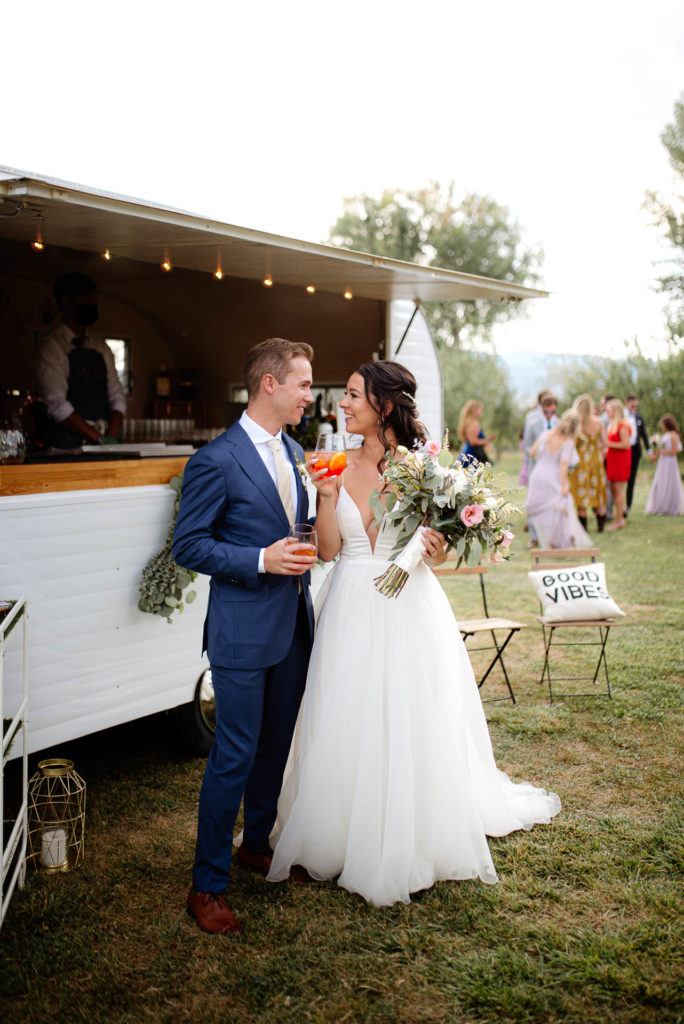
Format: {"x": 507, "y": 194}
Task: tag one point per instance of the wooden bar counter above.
{"x": 43, "y": 477}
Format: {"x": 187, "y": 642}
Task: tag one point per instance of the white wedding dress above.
{"x": 391, "y": 782}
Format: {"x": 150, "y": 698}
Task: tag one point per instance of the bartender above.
{"x": 76, "y": 374}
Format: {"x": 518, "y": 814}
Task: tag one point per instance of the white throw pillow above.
{"x": 571, "y": 592}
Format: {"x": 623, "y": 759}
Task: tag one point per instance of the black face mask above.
{"x": 85, "y": 313}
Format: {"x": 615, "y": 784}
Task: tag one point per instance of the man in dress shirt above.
{"x": 75, "y": 371}
{"x": 638, "y": 434}
{"x": 543, "y": 417}
{"x": 241, "y": 494}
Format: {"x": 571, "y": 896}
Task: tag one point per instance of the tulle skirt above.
{"x": 391, "y": 782}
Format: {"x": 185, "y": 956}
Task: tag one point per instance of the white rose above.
{"x": 458, "y": 480}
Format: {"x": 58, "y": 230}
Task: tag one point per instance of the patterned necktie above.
{"x": 283, "y": 478}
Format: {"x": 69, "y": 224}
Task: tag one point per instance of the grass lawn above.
{"x": 584, "y": 925}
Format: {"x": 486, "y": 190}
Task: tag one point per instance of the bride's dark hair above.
{"x": 391, "y": 386}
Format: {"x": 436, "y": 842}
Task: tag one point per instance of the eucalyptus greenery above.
{"x": 163, "y": 580}
{"x": 430, "y": 486}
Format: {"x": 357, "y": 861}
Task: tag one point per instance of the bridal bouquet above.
{"x": 430, "y": 486}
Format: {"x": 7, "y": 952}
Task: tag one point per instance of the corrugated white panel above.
{"x": 95, "y": 660}
{"x": 419, "y": 354}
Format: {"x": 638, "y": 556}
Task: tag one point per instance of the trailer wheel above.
{"x": 197, "y": 720}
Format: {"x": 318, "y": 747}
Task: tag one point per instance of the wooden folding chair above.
{"x": 555, "y": 558}
{"x": 488, "y": 624}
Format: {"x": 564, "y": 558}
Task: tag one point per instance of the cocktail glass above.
{"x": 330, "y": 455}
{"x": 303, "y": 539}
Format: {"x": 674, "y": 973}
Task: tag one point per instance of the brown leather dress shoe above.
{"x": 299, "y": 875}
{"x": 212, "y": 913}
{"x": 261, "y": 863}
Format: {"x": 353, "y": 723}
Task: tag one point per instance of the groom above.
{"x": 241, "y": 494}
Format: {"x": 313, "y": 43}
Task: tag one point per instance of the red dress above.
{"x": 618, "y": 460}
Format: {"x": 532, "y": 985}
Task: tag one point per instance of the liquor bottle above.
{"x": 163, "y": 383}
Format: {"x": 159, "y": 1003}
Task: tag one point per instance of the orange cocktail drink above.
{"x": 308, "y": 550}
{"x": 333, "y": 463}
{"x": 303, "y": 540}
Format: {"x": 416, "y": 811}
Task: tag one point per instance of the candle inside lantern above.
{"x": 53, "y": 848}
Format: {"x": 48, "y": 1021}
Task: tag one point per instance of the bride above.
{"x": 391, "y": 783}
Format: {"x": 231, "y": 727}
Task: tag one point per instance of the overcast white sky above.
{"x": 269, "y": 115}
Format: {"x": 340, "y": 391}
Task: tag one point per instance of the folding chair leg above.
{"x": 601, "y": 662}
{"x": 497, "y": 657}
{"x": 603, "y": 632}
{"x": 546, "y": 670}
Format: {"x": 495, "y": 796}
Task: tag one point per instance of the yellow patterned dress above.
{"x": 588, "y": 478}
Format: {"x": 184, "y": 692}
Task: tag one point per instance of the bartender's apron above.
{"x": 87, "y": 392}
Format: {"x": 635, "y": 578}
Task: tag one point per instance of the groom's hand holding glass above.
{"x": 295, "y": 554}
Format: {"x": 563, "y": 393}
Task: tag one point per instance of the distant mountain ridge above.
{"x": 525, "y": 373}
{"x": 528, "y": 371}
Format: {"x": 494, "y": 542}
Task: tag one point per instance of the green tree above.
{"x": 659, "y": 383}
{"x": 475, "y": 236}
{"x": 670, "y": 216}
{"x": 482, "y": 376}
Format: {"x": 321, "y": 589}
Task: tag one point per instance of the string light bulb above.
{"x": 106, "y": 255}
{"x": 37, "y": 244}
{"x": 218, "y": 273}
{"x": 166, "y": 265}
{"x": 310, "y": 289}
{"x": 348, "y": 294}
{"x": 267, "y": 281}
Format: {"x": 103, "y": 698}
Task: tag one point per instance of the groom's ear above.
{"x": 268, "y": 383}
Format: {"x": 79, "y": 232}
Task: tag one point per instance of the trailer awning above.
{"x": 84, "y": 219}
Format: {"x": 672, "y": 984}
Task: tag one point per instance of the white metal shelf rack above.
{"x": 14, "y": 727}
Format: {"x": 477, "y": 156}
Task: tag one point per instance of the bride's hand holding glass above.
{"x": 327, "y": 462}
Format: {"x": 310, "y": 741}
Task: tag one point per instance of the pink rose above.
{"x": 508, "y": 536}
{"x": 496, "y": 556}
{"x": 433, "y": 447}
{"x": 472, "y": 515}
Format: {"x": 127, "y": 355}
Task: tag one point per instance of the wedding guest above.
{"x": 544, "y": 417}
{"x": 549, "y": 505}
{"x": 605, "y": 419}
{"x": 588, "y": 477}
{"x": 637, "y": 435}
{"x": 532, "y": 416}
{"x": 471, "y": 433}
{"x": 666, "y": 497}
{"x": 618, "y": 459}
{"x": 603, "y": 406}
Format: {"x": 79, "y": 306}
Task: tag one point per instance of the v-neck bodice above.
{"x": 355, "y": 541}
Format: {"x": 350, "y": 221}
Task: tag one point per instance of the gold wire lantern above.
{"x": 56, "y": 816}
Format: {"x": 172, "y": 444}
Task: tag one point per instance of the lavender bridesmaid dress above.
{"x": 667, "y": 494}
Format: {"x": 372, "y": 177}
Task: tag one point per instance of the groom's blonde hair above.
{"x": 272, "y": 356}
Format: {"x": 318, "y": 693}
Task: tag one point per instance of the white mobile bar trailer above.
{"x": 75, "y": 535}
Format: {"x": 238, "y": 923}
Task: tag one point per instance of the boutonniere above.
{"x": 301, "y": 469}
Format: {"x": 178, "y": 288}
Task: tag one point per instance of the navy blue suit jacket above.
{"x": 230, "y": 509}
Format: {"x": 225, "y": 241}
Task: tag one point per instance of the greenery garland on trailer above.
{"x": 163, "y": 580}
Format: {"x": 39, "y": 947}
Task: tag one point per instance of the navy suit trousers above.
{"x": 256, "y": 712}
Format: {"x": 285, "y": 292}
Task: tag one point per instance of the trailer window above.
{"x": 121, "y": 350}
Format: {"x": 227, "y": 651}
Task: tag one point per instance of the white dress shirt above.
{"x": 631, "y": 419}
{"x": 52, "y": 371}
{"x": 260, "y": 438}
